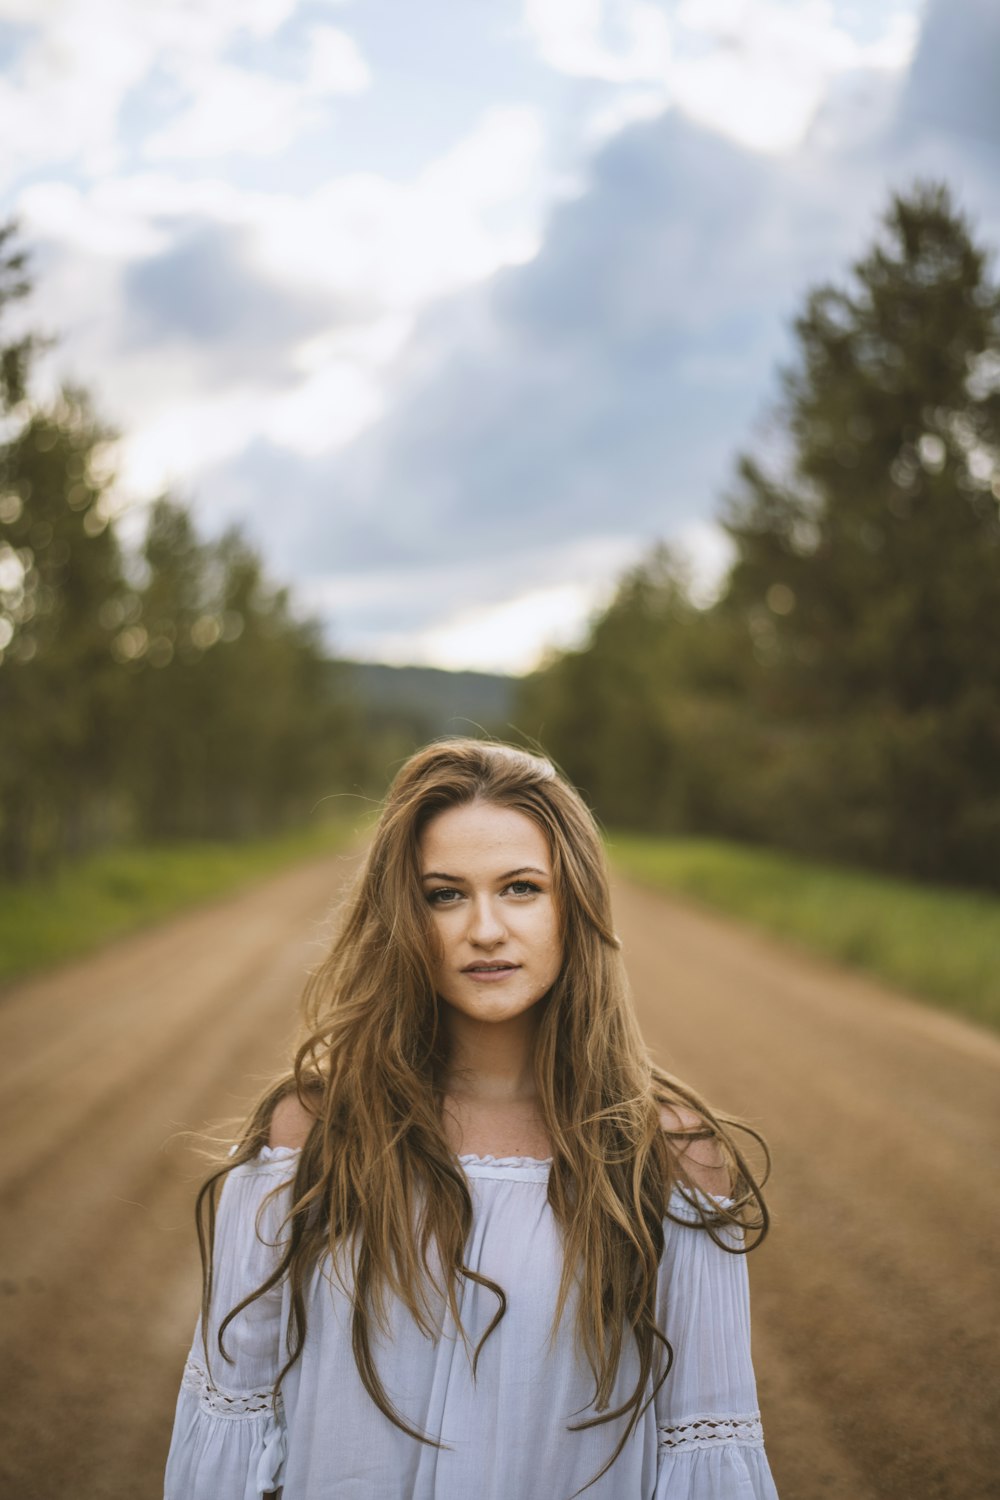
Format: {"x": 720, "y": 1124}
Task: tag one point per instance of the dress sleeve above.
{"x": 710, "y": 1441}
{"x": 228, "y": 1440}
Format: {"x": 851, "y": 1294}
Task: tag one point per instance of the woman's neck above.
{"x": 491, "y": 1062}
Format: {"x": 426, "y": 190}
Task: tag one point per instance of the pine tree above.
{"x": 60, "y": 692}
{"x": 868, "y": 560}
{"x": 642, "y": 715}
{"x": 172, "y": 692}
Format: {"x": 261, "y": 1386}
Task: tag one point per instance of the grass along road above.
{"x": 935, "y": 942}
{"x": 85, "y": 905}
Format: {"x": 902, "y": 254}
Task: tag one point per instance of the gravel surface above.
{"x": 875, "y": 1297}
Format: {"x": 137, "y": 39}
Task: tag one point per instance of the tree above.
{"x": 239, "y": 722}
{"x": 16, "y": 355}
{"x": 644, "y": 714}
{"x": 60, "y": 694}
{"x": 173, "y": 692}
{"x": 868, "y": 562}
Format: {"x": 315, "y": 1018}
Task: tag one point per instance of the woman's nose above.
{"x": 485, "y": 924}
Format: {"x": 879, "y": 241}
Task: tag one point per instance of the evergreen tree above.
{"x": 240, "y": 721}
{"x": 643, "y": 715}
{"x": 60, "y": 695}
{"x": 173, "y": 692}
{"x": 868, "y": 564}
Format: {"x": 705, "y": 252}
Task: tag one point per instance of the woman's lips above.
{"x": 492, "y": 975}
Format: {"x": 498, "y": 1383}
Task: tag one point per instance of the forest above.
{"x": 160, "y": 691}
{"x": 839, "y": 698}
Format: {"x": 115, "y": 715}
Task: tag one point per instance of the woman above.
{"x": 476, "y": 1244}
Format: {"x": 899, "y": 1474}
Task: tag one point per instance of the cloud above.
{"x": 218, "y": 314}
{"x": 758, "y": 70}
{"x": 98, "y": 223}
{"x": 239, "y": 110}
{"x": 494, "y": 617}
{"x": 606, "y": 381}
{"x": 335, "y": 64}
{"x": 82, "y": 62}
{"x": 61, "y": 99}
{"x": 618, "y": 41}
{"x": 954, "y": 84}
{"x": 603, "y": 388}
{"x": 440, "y": 411}
{"x": 203, "y": 292}
{"x": 755, "y": 70}
{"x": 366, "y": 239}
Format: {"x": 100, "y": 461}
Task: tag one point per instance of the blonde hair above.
{"x": 376, "y": 1173}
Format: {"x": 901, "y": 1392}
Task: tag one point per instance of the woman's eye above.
{"x": 440, "y": 896}
{"x": 448, "y": 896}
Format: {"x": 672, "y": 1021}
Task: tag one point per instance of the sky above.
{"x": 457, "y": 309}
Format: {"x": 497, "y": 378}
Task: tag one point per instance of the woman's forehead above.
{"x": 479, "y": 835}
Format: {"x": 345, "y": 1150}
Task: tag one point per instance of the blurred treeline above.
{"x": 841, "y": 698}
{"x": 160, "y": 690}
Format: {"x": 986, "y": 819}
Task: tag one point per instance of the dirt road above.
{"x": 875, "y": 1297}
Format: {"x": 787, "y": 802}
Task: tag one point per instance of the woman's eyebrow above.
{"x": 460, "y": 879}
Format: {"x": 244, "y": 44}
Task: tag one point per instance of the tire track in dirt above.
{"x": 874, "y": 1298}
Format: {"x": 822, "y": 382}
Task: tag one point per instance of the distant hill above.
{"x": 430, "y": 702}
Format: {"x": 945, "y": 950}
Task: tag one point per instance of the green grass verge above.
{"x": 938, "y": 943}
{"x": 106, "y": 895}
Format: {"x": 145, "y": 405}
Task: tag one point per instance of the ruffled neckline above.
{"x": 273, "y": 1153}
{"x": 530, "y": 1168}
{"x": 505, "y": 1168}
{"x": 472, "y": 1159}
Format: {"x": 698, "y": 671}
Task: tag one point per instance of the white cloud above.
{"x": 62, "y": 98}
{"x": 99, "y": 222}
{"x": 232, "y": 111}
{"x": 758, "y": 70}
{"x": 61, "y": 101}
{"x": 508, "y": 637}
{"x": 754, "y": 70}
{"x": 398, "y": 245}
{"x": 374, "y": 242}
{"x": 628, "y": 107}
{"x": 375, "y": 250}
{"x": 335, "y": 64}
{"x": 619, "y": 41}
{"x": 596, "y": 398}
{"x": 482, "y": 616}
{"x": 186, "y": 435}
{"x": 238, "y": 110}
{"x": 325, "y": 410}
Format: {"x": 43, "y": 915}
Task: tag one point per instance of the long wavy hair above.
{"x": 376, "y": 1175}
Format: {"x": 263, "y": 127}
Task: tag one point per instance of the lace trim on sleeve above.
{"x": 219, "y": 1403}
{"x": 713, "y": 1432}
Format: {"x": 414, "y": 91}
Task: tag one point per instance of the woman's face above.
{"x": 486, "y": 873}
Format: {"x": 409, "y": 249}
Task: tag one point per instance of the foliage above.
{"x": 239, "y": 719}
{"x": 869, "y": 574}
{"x": 60, "y": 693}
{"x": 169, "y": 691}
{"x": 102, "y": 896}
{"x": 655, "y": 678}
{"x": 842, "y": 697}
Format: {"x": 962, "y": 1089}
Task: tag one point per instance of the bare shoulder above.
{"x": 699, "y": 1156}
{"x": 291, "y": 1123}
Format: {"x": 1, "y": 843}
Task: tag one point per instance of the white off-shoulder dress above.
{"x": 506, "y": 1431}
